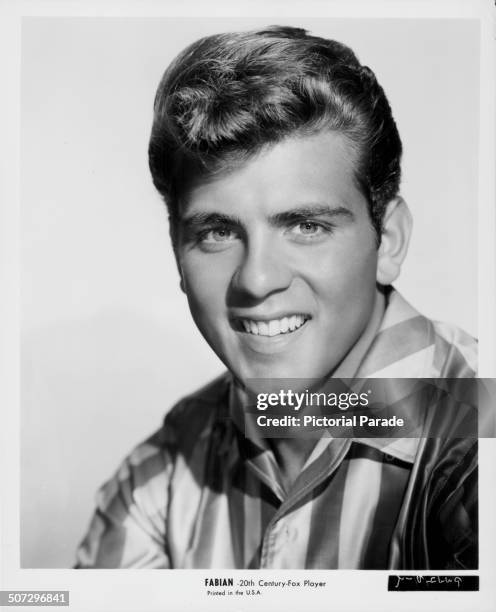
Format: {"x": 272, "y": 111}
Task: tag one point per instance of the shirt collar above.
{"x": 402, "y": 348}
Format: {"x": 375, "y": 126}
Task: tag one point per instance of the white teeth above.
{"x": 263, "y": 328}
{"x": 273, "y": 327}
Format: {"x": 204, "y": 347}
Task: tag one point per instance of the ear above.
{"x": 397, "y": 228}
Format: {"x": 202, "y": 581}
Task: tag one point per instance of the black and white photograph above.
{"x": 224, "y": 215}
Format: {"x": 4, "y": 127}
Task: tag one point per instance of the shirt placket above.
{"x": 286, "y": 536}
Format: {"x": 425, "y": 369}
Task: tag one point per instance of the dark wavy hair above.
{"x": 226, "y": 96}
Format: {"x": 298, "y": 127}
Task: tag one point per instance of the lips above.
{"x": 273, "y": 327}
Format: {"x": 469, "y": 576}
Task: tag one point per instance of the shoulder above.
{"x": 128, "y": 528}
{"x": 143, "y": 475}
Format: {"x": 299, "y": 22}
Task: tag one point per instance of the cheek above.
{"x": 206, "y": 283}
{"x": 361, "y": 271}
{"x": 345, "y": 284}
{"x": 352, "y": 267}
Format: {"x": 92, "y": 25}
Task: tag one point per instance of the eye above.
{"x": 306, "y": 231}
{"x": 217, "y": 238}
{"x": 309, "y": 228}
{"x": 218, "y": 234}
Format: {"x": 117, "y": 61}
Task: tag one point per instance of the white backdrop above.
{"x": 107, "y": 343}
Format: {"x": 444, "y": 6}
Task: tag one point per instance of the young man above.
{"x": 279, "y": 160}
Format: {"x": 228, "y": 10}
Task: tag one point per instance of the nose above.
{"x": 262, "y": 271}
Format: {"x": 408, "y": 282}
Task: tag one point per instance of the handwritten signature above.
{"x": 430, "y": 580}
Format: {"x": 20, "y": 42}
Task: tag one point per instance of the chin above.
{"x": 274, "y": 371}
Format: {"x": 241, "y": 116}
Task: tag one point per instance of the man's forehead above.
{"x": 313, "y": 171}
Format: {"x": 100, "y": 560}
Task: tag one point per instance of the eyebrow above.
{"x": 313, "y": 210}
{"x": 200, "y": 219}
{"x": 294, "y": 215}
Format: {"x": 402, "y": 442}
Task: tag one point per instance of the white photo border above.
{"x": 184, "y": 589}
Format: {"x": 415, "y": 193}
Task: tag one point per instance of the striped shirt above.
{"x": 199, "y": 494}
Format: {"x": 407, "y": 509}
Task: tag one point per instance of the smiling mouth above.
{"x": 273, "y": 327}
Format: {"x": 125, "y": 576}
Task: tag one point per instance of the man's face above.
{"x": 278, "y": 260}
